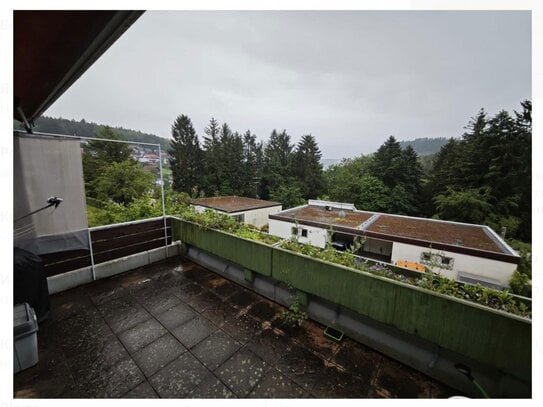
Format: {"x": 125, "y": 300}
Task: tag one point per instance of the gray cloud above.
{"x": 349, "y": 78}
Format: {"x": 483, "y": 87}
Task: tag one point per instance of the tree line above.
{"x": 83, "y": 128}
{"x": 482, "y": 177}
{"x": 486, "y": 176}
{"x": 227, "y": 162}
{"x": 425, "y": 145}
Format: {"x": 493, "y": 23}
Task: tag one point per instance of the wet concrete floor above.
{"x": 177, "y": 330}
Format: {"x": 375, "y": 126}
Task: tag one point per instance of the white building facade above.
{"x": 468, "y": 253}
{"x": 246, "y": 210}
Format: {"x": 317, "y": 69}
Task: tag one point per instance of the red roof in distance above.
{"x": 232, "y": 204}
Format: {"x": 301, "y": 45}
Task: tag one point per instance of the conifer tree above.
{"x": 277, "y": 163}
{"x": 308, "y": 168}
{"x": 211, "y": 159}
{"x": 184, "y": 155}
{"x": 252, "y": 165}
{"x": 387, "y": 162}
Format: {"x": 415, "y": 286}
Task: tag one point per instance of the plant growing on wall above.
{"x": 358, "y": 242}
{"x": 519, "y": 282}
{"x": 214, "y": 220}
{"x": 295, "y": 314}
{"x": 496, "y": 299}
{"x": 501, "y": 300}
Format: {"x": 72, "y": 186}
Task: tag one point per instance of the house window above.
{"x": 294, "y": 231}
{"x": 239, "y": 218}
{"x": 304, "y": 232}
{"x": 446, "y": 260}
{"x": 437, "y": 260}
{"x": 426, "y": 257}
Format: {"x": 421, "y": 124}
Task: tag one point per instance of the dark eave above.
{"x": 52, "y": 49}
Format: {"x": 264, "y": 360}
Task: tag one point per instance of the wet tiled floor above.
{"x": 177, "y": 330}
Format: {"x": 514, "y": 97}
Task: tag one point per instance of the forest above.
{"x": 424, "y": 145}
{"x": 83, "y": 128}
{"x": 483, "y": 177}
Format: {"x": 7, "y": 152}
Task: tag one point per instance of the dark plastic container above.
{"x": 25, "y": 337}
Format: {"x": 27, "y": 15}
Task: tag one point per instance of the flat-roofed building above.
{"x": 461, "y": 251}
{"x": 248, "y": 210}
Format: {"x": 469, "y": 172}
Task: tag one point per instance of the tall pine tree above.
{"x": 230, "y": 161}
{"x": 277, "y": 163}
{"x": 252, "y": 164}
{"x": 387, "y": 163}
{"x": 185, "y": 155}
{"x": 308, "y": 168}
{"x": 211, "y": 159}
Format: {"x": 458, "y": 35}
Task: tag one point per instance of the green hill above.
{"x": 83, "y": 128}
{"x": 425, "y": 146}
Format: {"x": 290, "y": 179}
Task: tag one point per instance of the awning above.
{"x": 52, "y": 49}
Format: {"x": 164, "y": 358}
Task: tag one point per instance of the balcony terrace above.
{"x": 166, "y": 307}
{"x": 174, "y": 329}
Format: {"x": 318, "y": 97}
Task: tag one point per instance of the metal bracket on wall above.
{"x": 26, "y": 124}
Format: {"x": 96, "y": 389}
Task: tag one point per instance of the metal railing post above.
{"x": 162, "y": 195}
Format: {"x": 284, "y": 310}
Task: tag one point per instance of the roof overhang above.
{"x": 52, "y": 49}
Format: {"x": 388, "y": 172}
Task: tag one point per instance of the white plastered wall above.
{"x": 315, "y": 236}
{"x": 378, "y": 246}
{"x": 485, "y": 269}
{"x": 256, "y": 217}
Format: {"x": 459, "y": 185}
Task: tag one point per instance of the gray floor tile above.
{"x": 214, "y": 350}
{"x": 92, "y": 362}
{"x": 242, "y": 372}
{"x": 141, "y": 391}
{"x": 220, "y": 313}
{"x": 227, "y": 289}
{"x": 176, "y": 316}
{"x": 180, "y": 377}
{"x": 188, "y": 291}
{"x": 337, "y": 383}
{"x": 357, "y": 358}
{"x": 242, "y": 327}
{"x": 123, "y": 313}
{"x": 141, "y": 335}
{"x": 111, "y": 382}
{"x": 399, "y": 381}
{"x": 244, "y": 299}
{"x": 270, "y": 345}
{"x": 194, "y": 331}
{"x": 211, "y": 388}
{"x": 203, "y": 301}
{"x": 158, "y": 354}
{"x": 278, "y": 386}
{"x": 159, "y": 302}
{"x": 301, "y": 365}
{"x": 265, "y": 311}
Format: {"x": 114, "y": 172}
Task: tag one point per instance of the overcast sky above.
{"x": 350, "y": 79}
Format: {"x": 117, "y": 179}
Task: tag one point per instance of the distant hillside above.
{"x": 327, "y": 162}
{"x": 88, "y": 129}
{"x": 425, "y": 146}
